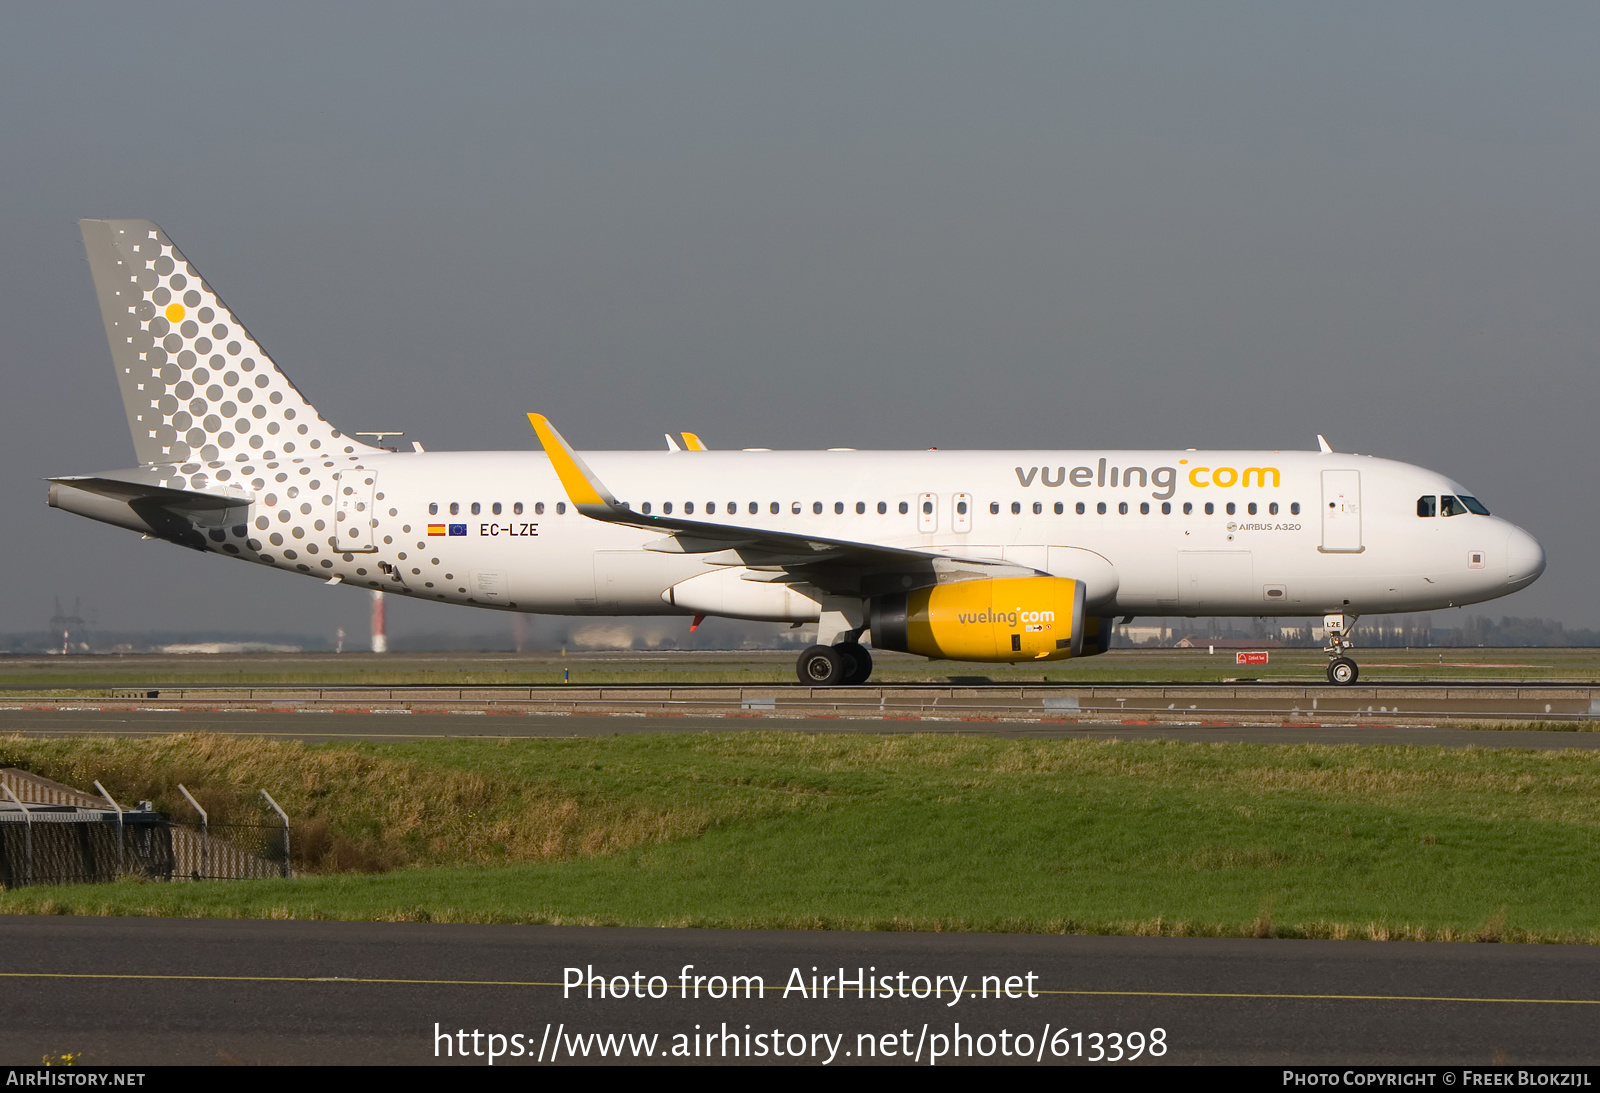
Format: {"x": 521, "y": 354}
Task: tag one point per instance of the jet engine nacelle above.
{"x": 995, "y": 619}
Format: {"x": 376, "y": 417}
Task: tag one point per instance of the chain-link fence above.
{"x": 229, "y": 851}
{"x": 54, "y": 834}
{"x": 60, "y": 844}
{"x": 66, "y": 845}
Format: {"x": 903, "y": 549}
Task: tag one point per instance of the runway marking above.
{"x": 940, "y": 991}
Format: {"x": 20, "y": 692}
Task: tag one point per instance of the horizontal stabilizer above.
{"x": 166, "y": 496}
{"x": 179, "y": 515}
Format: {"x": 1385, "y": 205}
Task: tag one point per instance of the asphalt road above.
{"x": 152, "y": 991}
{"x": 316, "y": 726}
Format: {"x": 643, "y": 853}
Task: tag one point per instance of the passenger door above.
{"x": 353, "y": 513}
{"x": 1341, "y": 512}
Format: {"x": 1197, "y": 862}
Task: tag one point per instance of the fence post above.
{"x": 27, "y": 837}
{"x": 121, "y": 841}
{"x": 287, "y": 871}
{"x": 205, "y": 832}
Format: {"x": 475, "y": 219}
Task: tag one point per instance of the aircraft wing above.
{"x": 836, "y": 565}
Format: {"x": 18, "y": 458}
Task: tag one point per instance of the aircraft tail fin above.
{"x": 197, "y": 387}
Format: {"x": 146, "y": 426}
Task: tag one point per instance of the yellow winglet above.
{"x": 693, "y": 442}
{"x": 583, "y": 488}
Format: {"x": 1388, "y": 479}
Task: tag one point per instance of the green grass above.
{"x": 903, "y": 832}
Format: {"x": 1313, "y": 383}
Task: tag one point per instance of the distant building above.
{"x": 1193, "y": 642}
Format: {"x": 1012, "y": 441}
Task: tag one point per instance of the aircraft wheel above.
{"x": 1342, "y": 671}
{"x": 857, "y": 661}
{"x": 820, "y": 666}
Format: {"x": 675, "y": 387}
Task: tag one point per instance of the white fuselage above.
{"x": 1301, "y": 534}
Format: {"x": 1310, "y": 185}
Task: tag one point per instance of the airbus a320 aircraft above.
{"x": 998, "y": 556}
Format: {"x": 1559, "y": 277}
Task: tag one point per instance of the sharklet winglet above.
{"x": 583, "y": 489}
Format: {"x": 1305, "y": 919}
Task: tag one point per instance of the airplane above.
{"x": 989, "y": 556}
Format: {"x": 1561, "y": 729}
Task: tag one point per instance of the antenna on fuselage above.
{"x": 378, "y": 435}
{"x": 1322, "y": 443}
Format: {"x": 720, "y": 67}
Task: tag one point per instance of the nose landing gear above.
{"x": 1342, "y": 671}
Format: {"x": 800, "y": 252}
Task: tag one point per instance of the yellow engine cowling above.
{"x": 1004, "y": 619}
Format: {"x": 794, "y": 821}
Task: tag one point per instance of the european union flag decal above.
{"x": 458, "y": 529}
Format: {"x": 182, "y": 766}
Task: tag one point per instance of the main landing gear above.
{"x": 1342, "y": 671}
{"x": 827, "y": 665}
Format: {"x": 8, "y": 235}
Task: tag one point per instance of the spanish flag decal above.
{"x": 435, "y": 529}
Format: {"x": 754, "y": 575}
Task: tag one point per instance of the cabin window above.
{"x": 1232, "y": 508}
{"x": 1210, "y": 508}
{"x": 1122, "y": 508}
{"x": 645, "y": 508}
{"x": 994, "y": 508}
{"x": 1294, "y": 508}
{"x": 477, "y": 509}
{"x": 816, "y": 507}
{"x": 961, "y": 508}
{"x": 1101, "y": 508}
{"x": 755, "y": 507}
{"x": 455, "y": 508}
{"x": 711, "y": 508}
{"x": 861, "y": 507}
{"x": 838, "y": 508}
{"x": 1038, "y": 507}
{"x": 1251, "y": 508}
{"x": 688, "y": 508}
{"x": 433, "y": 508}
{"x": 795, "y": 508}
{"x": 1166, "y": 508}
{"x": 1272, "y": 509}
{"x": 776, "y": 508}
{"x": 1144, "y": 508}
{"x": 516, "y": 509}
{"x": 1474, "y": 505}
{"x": 883, "y": 507}
{"x": 1188, "y": 507}
{"x": 666, "y": 507}
{"x": 1060, "y": 508}
{"x": 561, "y": 508}
{"x": 538, "y": 508}
{"x": 904, "y": 508}
{"x": 1080, "y": 508}
{"x": 1451, "y": 506}
{"x": 495, "y": 508}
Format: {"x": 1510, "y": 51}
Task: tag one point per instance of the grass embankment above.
{"x": 903, "y": 832}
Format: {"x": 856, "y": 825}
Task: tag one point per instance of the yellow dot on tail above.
{"x": 175, "y": 313}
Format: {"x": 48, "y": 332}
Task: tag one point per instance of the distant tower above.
{"x": 66, "y": 625}
{"x": 380, "y": 641}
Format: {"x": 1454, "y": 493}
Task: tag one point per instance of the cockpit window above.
{"x": 1451, "y": 506}
{"x": 1474, "y": 505}
{"x": 1428, "y": 506}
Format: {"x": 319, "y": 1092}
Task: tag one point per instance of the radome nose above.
{"x": 1524, "y": 557}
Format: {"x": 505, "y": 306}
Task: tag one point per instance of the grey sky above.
{"x": 885, "y": 225}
